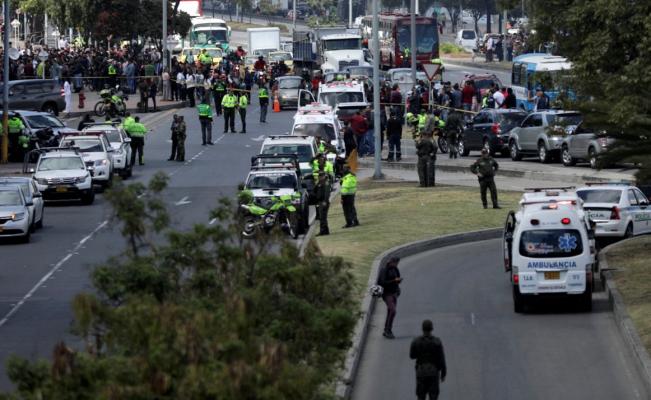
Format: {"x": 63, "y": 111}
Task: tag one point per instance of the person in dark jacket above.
{"x": 511, "y": 100}
{"x": 394, "y": 134}
{"x": 321, "y": 195}
{"x": 485, "y": 168}
{"x": 349, "y": 139}
{"x": 389, "y": 278}
{"x": 86, "y": 121}
{"x": 428, "y": 352}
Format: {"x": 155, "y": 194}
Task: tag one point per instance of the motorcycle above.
{"x": 112, "y": 102}
{"x": 281, "y": 212}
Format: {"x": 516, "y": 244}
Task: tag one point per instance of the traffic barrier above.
{"x": 276, "y": 105}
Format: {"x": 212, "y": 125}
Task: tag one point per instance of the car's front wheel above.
{"x": 543, "y": 154}
{"x": 462, "y": 149}
{"x": 592, "y": 158}
{"x": 515, "y": 152}
{"x": 567, "y": 158}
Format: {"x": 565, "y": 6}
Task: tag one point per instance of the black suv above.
{"x": 490, "y": 130}
{"x": 36, "y": 95}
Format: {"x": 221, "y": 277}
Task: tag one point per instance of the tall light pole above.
{"x": 294, "y": 14}
{"x": 412, "y": 16}
{"x": 376, "y": 92}
{"x": 164, "y": 34}
{"x": 4, "y": 148}
{"x": 350, "y": 13}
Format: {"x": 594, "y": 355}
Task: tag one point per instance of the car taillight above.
{"x": 516, "y": 279}
{"x": 496, "y": 128}
{"x": 614, "y": 213}
{"x": 603, "y": 142}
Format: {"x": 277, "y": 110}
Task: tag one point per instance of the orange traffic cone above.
{"x": 276, "y": 105}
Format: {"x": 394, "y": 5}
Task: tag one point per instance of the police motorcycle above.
{"x": 112, "y": 102}
{"x": 281, "y": 213}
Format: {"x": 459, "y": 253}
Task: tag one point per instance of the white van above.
{"x": 466, "y": 38}
{"x": 549, "y": 248}
{"x": 320, "y": 120}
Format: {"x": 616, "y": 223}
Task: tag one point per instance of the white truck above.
{"x": 549, "y": 248}
{"x": 263, "y": 40}
{"x": 328, "y": 48}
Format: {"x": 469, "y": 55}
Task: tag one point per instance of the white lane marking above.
{"x": 212, "y": 221}
{"x": 49, "y": 274}
{"x": 472, "y": 318}
{"x": 247, "y": 145}
{"x": 185, "y": 200}
{"x": 258, "y": 139}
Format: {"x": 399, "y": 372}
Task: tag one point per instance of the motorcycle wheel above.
{"x": 443, "y": 145}
{"x": 100, "y": 109}
{"x": 250, "y": 227}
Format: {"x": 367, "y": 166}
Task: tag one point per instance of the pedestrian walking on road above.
{"x": 428, "y": 352}
{"x": 389, "y": 278}
{"x": 205, "y": 118}
{"x": 178, "y": 144}
{"x": 137, "y": 132}
{"x": 263, "y": 97}
{"x": 242, "y": 103}
{"x": 228, "y": 105}
{"x": 485, "y": 168}
{"x": 426, "y": 149}
{"x": 348, "y": 190}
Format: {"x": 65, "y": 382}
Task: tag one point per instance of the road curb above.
{"x": 576, "y": 178}
{"x": 312, "y": 230}
{"x": 346, "y": 380}
{"x": 482, "y": 65}
{"x": 623, "y": 319}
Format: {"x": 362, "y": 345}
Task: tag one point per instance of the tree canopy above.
{"x": 609, "y": 44}
{"x": 199, "y": 314}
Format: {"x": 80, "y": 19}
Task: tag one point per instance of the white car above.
{"x": 32, "y": 195}
{"x": 304, "y": 147}
{"x": 320, "y": 120}
{"x": 96, "y": 152}
{"x": 467, "y": 39}
{"x": 618, "y": 210}
{"x": 61, "y": 174}
{"x": 121, "y": 144}
{"x": 15, "y": 218}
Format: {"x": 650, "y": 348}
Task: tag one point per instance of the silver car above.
{"x": 32, "y": 194}
{"x": 583, "y": 145}
{"x": 542, "y": 133}
{"x": 15, "y": 218}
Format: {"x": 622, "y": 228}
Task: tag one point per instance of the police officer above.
{"x": 454, "y": 126}
{"x": 137, "y": 132}
{"x": 485, "y": 168}
{"x": 321, "y": 193}
{"x": 228, "y": 103}
{"x": 412, "y": 121}
{"x": 428, "y": 352}
{"x": 426, "y": 151}
{"x": 348, "y": 190}
{"x": 205, "y": 118}
{"x": 218, "y": 90}
{"x": 263, "y": 97}
{"x": 422, "y": 120}
{"x": 16, "y": 135}
{"x": 128, "y": 120}
{"x": 112, "y": 74}
{"x": 174, "y": 137}
{"x": 178, "y": 139}
{"x": 242, "y": 103}
{"x": 320, "y": 164}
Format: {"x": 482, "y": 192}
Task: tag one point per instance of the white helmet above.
{"x": 376, "y": 291}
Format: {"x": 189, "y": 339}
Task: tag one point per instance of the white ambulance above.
{"x": 549, "y": 248}
{"x": 320, "y": 120}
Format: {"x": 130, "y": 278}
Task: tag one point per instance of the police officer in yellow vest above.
{"x": 205, "y": 59}
{"x": 242, "y": 103}
{"x": 263, "y": 96}
{"x": 348, "y": 190}
{"x": 137, "y": 132}
{"x": 205, "y": 118}
{"x": 218, "y": 90}
{"x": 112, "y": 74}
{"x": 320, "y": 163}
{"x": 228, "y": 104}
{"x": 17, "y": 138}
{"x": 422, "y": 120}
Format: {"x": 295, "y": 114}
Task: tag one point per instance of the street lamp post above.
{"x": 164, "y": 33}
{"x": 412, "y": 17}
{"x": 376, "y": 92}
{"x": 4, "y": 149}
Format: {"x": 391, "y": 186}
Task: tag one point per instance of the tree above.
{"x": 609, "y": 45}
{"x": 199, "y": 314}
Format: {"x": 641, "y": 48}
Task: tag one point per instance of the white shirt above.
{"x": 180, "y": 78}
{"x": 189, "y": 81}
{"x": 499, "y": 99}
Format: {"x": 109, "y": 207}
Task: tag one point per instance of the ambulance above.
{"x": 320, "y": 120}
{"x": 549, "y": 248}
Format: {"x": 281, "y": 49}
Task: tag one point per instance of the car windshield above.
{"x": 405, "y": 76}
{"x": 113, "y": 136}
{"x": 272, "y": 181}
{"x": 512, "y": 118}
{"x": 43, "y": 121}
{"x": 303, "y": 151}
{"x": 484, "y": 83}
{"x": 565, "y": 119}
{"x": 10, "y": 198}
{"x": 427, "y": 38}
{"x": 324, "y": 131}
{"x": 550, "y": 243}
{"x": 334, "y": 98}
{"x": 600, "y": 196}
{"x": 360, "y": 71}
{"x": 61, "y": 163}
{"x": 289, "y": 83}
{"x": 468, "y": 35}
{"x": 341, "y": 44}
{"x": 23, "y": 185}
{"x": 280, "y": 56}
{"x": 84, "y": 145}
{"x": 210, "y": 36}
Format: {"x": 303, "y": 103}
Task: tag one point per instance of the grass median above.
{"x": 394, "y": 213}
{"x": 633, "y": 279}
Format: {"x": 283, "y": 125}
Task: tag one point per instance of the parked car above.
{"x": 490, "y": 129}
{"x": 467, "y": 39}
{"x": 37, "y": 120}
{"x": 542, "y": 134}
{"x": 288, "y": 88}
{"x": 584, "y": 145}
{"x": 36, "y": 95}
{"x": 32, "y": 195}
{"x": 483, "y": 82}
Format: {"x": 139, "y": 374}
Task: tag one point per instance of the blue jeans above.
{"x": 369, "y": 142}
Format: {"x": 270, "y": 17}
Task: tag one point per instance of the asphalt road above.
{"x": 493, "y": 353}
{"x": 38, "y": 280}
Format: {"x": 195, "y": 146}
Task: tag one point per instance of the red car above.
{"x": 483, "y": 82}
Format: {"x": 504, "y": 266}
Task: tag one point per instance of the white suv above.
{"x": 304, "y": 147}
{"x": 120, "y": 142}
{"x": 617, "y": 209}
{"x": 96, "y": 152}
{"x": 61, "y": 174}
